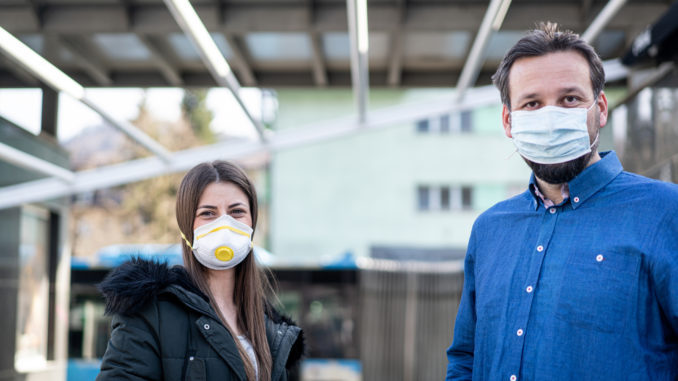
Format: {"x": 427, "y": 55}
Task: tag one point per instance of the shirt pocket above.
{"x": 596, "y": 290}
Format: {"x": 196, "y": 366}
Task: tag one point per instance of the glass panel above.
{"x": 222, "y": 44}
{"x": 32, "y": 305}
{"x": 34, "y": 41}
{"x": 336, "y": 46}
{"x": 183, "y": 47}
{"x": 500, "y": 43}
{"x": 279, "y": 46}
{"x": 125, "y": 47}
{"x": 609, "y": 43}
{"x": 435, "y": 44}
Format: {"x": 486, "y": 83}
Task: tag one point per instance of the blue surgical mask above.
{"x": 551, "y": 134}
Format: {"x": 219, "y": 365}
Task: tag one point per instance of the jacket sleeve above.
{"x": 133, "y": 353}
{"x": 460, "y": 353}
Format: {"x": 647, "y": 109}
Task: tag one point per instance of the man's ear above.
{"x": 602, "y": 108}
{"x": 506, "y": 120}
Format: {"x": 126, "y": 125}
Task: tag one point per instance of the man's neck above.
{"x": 554, "y": 192}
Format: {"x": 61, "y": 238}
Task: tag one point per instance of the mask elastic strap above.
{"x": 595, "y": 101}
{"x": 595, "y": 140}
{"x": 184, "y": 237}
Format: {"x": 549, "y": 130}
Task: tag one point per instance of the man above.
{"x": 576, "y": 278}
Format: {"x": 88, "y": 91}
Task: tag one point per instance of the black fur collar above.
{"x": 133, "y": 284}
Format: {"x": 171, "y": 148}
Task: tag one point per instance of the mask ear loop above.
{"x": 515, "y": 150}
{"x": 186, "y": 240}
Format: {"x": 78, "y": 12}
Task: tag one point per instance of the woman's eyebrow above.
{"x": 236, "y": 204}
{"x": 207, "y": 207}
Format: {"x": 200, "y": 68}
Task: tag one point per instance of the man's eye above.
{"x": 571, "y": 99}
{"x": 532, "y": 104}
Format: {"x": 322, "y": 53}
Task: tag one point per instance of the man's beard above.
{"x": 562, "y": 172}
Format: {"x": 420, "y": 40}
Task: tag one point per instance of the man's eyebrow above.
{"x": 572, "y": 89}
{"x": 528, "y": 96}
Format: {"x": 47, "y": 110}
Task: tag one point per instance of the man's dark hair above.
{"x": 546, "y": 38}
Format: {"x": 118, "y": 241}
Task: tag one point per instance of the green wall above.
{"x": 348, "y": 194}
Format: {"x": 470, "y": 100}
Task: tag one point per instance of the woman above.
{"x": 208, "y": 320}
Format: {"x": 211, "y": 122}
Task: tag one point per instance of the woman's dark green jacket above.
{"x": 165, "y": 329}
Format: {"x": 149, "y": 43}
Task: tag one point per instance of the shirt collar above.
{"x": 589, "y": 181}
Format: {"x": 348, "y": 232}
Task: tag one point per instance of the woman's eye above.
{"x": 237, "y": 211}
{"x": 205, "y": 213}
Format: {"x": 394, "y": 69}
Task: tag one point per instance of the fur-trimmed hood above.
{"x": 133, "y": 285}
{"x": 136, "y": 282}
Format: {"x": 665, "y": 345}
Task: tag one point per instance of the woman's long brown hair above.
{"x": 251, "y": 286}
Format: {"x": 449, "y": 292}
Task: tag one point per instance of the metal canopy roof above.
{"x": 68, "y": 44}
{"x": 273, "y": 43}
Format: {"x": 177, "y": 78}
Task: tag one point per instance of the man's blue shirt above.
{"x": 584, "y": 290}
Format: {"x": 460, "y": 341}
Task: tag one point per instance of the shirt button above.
{"x": 540, "y": 248}
{"x": 206, "y": 326}
{"x": 513, "y": 377}
{"x": 529, "y": 289}
{"x": 576, "y": 199}
{"x": 552, "y": 210}
{"x": 599, "y": 257}
{"x": 519, "y": 332}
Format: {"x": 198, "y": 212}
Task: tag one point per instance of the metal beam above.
{"x": 190, "y": 23}
{"x": 491, "y": 23}
{"x": 94, "y": 70}
{"x": 358, "y": 34}
{"x": 161, "y": 61}
{"x": 650, "y": 79}
{"x": 19, "y": 72}
{"x": 603, "y": 18}
{"x": 396, "y": 61}
{"x": 56, "y": 79}
{"x": 247, "y": 17}
{"x": 141, "y": 169}
{"x": 319, "y": 71}
{"x": 241, "y": 58}
{"x": 32, "y": 163}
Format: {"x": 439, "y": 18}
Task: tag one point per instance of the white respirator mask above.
{"x": 551, "y": 134}
{"x": 222, "y": 243}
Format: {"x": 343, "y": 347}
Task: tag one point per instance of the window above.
{"x": 445, "y": 124}
{"x": 458, "y": 122}
{"x": 466, "y": 198}
{"x": 422, "y": 126}
{"x": 466, "y": 121}
{"x": 423, "y": 198}
{"x": 444, "y": 198}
